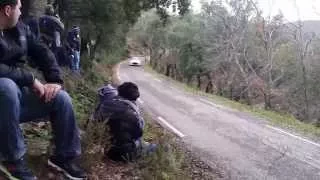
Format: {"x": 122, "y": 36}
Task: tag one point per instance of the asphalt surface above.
{"x": 243, "y": 146}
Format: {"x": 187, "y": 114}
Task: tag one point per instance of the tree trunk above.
{"x": 199, "y": 81}
{"x": 33, "y": 8}
{"x": 25, "y": 8}
{"x": 248, "y": 95}
{"x": 231, "y": 93}
{"x": 209, "y": 87}
{"x": 168, "y": 69}
{"x": 267, "y": 99}
{"x": 189, "y": 80}
{"x": 305, "y": 93}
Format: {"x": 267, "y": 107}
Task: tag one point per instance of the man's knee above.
{"x": 8, "y": 88}
{"x": 63, "y": 98}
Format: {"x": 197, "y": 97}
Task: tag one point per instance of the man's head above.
{"x": 9, "y": 13}
{"x": 76, "y": 30}
{"x": 49, "y": 10}
{"x": 129, "y": 90}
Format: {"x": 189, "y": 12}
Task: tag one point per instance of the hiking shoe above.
{"x": 148, "y": 148}
{"x": 17, "y": 170}
{"x": 69, "y": 168}
{"x": 131, "y": 152}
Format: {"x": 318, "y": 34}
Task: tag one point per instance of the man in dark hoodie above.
{"x": 24, "y": 98}
{"x": 118, "y": 107}
{"x": 51, "y": 28}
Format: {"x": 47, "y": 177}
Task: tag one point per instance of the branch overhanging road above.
{"x": 245, "y": 147}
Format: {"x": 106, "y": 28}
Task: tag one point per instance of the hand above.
{"x": 50, "y": 91}
{"x": 38, "y": 88}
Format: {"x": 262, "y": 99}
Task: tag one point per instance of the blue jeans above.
{"x": 20, "y": 105}
{"x": 75, "y": 61}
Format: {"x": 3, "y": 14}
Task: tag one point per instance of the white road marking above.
{"x": 157, "y": 80}
{"x": 315, "y": 165}
{"x": 177, "y": 132}
{"x": 307, "y": 160}
{"x": 270, "y": 127}
{"x": 211, "y": 103}
{"x": 294, "y": 136}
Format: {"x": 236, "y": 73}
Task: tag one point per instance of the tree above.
{"x": 231, "y": 50}
{"x": 106, "y": 22}
{"x": 33, "y": 8}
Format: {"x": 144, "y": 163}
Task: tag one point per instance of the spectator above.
{"x": 51, "y": 28}
{"x": 23, "y": 98}
{"x": 126, "y": 123}
{"x": 74, "y": 41}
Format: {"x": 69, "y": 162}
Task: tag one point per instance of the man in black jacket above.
{"x": 75, "y": 44}
{"x": 118, "y": 107}
{"x": 24, "y": 98}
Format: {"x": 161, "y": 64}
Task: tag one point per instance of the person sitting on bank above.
{"x": 118, "y": 107}
{"x": 24, "y": 98}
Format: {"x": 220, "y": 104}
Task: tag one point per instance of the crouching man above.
{"x": 118, "y": 107}
{"x": 24, "y": 98}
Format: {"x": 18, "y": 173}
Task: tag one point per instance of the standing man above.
{"x": 74, "y": 41}
{"x": 51, "y": 28}
{"x": 24, "y": 98}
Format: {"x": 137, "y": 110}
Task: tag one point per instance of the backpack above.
{"x": 51, "y": 29}
{"x": 105, "y": 93}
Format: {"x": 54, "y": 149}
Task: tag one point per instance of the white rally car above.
{"x": 135, "y": 61}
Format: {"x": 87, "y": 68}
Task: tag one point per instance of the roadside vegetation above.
{"x": 265, "y": 65}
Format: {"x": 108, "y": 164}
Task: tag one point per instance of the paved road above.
{"x": 246, "y": 148}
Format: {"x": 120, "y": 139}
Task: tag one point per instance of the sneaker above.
{"x": 148, "y": 148}
{"x": 17, "y": 170}
{"x": 131, "y": 152}
{"x": 68, "y": 167}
